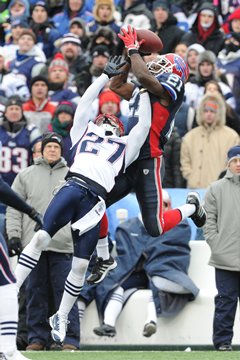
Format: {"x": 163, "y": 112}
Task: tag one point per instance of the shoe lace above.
{"x": 98, "y": 265}
{"x": 61, "y": 321}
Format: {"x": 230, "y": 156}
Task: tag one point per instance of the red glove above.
{"x": 130, "y": 38}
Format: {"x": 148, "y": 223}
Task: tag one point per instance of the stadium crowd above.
{"x": 50, "y": 53}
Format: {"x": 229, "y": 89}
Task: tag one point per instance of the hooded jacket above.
{"x": 204, "y": 148}
{"x": 214, "y": 41}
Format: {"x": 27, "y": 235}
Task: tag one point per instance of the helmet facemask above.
{"x": 160, "y": 65}
{"x": 111, "y": 124}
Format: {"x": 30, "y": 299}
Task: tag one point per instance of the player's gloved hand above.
{"x": 34, "y": 215}
{"x": 129, "y": 38}
{"x": 114, "y": 64}
{"x": 14, "y": 246}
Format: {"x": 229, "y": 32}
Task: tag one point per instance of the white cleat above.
{"x": 59, "y": 327}
{"x": 16, "y": 355}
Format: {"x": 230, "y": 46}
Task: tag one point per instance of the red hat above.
{"x": 58, "y": 61}
{"x": 109, "y": 95}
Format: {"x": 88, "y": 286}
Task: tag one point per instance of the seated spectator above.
{"x": 38, "y": 110}
{"x": 43, "y": 28}
{"x": 143, "y": 264}
{"x": 44, "y": 286}
{"x": 206, "y": 29}
{"x": 229, "y": 63}
{"x": 165, "y": 26}
{"x": 181, "y": 49}
{"x": 78, "y": 27}
{"x": 61, "y": 124}
{"x": 72, "y": 8}
{"x": 27, "y": 61}
{"x": 213, "y": 137}
{"x": 58, "y": 75}
{"x": 206, "y": 70}
{"x": 191, "y": 58}
{"x": 185, "y": 11}
{"x": 136, "y": 14}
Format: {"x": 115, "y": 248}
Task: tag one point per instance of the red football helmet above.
{"x": 111, "y": 124}
{"x": 169, "y": 63}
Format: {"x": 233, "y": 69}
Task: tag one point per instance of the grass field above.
{"x": 133, "y": 355}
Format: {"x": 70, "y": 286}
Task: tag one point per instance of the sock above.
{"x": 102, "y": 248}
{"x": 151, "y": 311}
{"x": 187, "y": 210}
{"x": 30, "y": 255}
{"x": 114, "y": 307}
{"x": 171, "y": 219}
{"x": 73, "y": 285}
{"x": 8, "y": 318}
{"x": 81, "y": 309}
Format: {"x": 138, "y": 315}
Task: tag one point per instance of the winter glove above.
{"x": 14, "y": 246}
{"x": 112, "y": 67}
{"x": 34, "y": 215}
{"x": 129, "y": 38}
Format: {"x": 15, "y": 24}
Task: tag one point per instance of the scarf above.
{"x": 61, "y": 128}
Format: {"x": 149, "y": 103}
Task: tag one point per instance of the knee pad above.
{"x": 41, "y": 240}
{"x": 79, "y": 266}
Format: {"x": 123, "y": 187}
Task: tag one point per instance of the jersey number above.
{"x": 175, "y": 81}
{"x": 7, "y": 155}
{"x": 88, "y": 146}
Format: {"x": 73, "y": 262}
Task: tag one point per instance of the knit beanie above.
{"x": 52, "y": 137}
{"x": 58, "y": 62}
{"x": 233, "y": 153}
{"x": 13, "y": 100}
{"x": 106, "y": 96}
{"x": 67, "y": 107}
{"x": 164, "y": 4}
{"x": 38, "y": 78}
{"x": 208, "y": 56}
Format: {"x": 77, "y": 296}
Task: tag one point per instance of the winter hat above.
{"x": 40, "y": 3}
{"x": 70, "y": 38}
{"x": 211, "y": 105}
{"x": 161, "y": 3}
{"x": 38, "y": 78}
{"x": 13, "y": 100}
{"x": 109, "y": 95}
{"x": 67, "y": 107}
{"x": 52, "y": 137}
{"x": 58, "y": 61}
{"x": 100, "y": 50}
{"x": 208, "y": 56}
{"x": 29, "y": 32}
{"x": 233, "y": 153}
{"x": 196, "y": 47}
{"x": 77, "y": 20}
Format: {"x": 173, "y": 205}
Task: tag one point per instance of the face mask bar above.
{"x": 160, "y": 65}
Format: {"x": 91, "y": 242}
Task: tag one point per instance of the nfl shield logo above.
{"x": 145, "y": 171}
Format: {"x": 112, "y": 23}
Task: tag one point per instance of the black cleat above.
{"x": 100, "y": 270}
{"x": 224, "y": 347}
{"x": 199, "y": 216}
{"x": 105, "y": 330}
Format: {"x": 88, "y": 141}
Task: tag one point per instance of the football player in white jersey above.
{"x": 100, "y": 153}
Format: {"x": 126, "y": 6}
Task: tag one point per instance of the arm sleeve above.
{"x": 139, "y": 132}
{"x": 10, "y": 198}
{"x": 82, "y": 113}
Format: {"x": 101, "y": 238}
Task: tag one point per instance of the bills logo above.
{"x": 181, "y": 67}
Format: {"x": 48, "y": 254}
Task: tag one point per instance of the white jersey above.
{"x": 98, "y": 157}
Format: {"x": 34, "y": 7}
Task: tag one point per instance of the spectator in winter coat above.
{"x": 78, "y": 27}
{"x": 18, "y": 10}
{"x": 38, "y": 110}
{"x": 44, "y": 286}
{"x": 232, "y": 24}
{"x": 206, "y": 29}
{"x": 44, "y": 30}
{"x": 191, "y": 58}
{"x": 206, "y": 71}
{"x": 203, "y": 149}
{"x": 165, "y": 26}
{"x": 27, "y": 61}
{"x": 103, "y": 12}
{"x": 72, "y": 8}
{"x": 136, "y": 14}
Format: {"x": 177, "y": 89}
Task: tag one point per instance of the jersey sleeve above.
{"x": 173, "y": 84}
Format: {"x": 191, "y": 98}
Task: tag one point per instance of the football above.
{"x": 152, "y": 44}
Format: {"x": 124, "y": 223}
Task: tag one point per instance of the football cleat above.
{"x": 100, "y": 270}
{"x": 59, "y": 327}
{"x": 105, "y": 330}
{"x": 199, "y": 216}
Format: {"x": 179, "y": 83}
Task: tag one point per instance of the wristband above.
{"x": 132, "y": 51}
